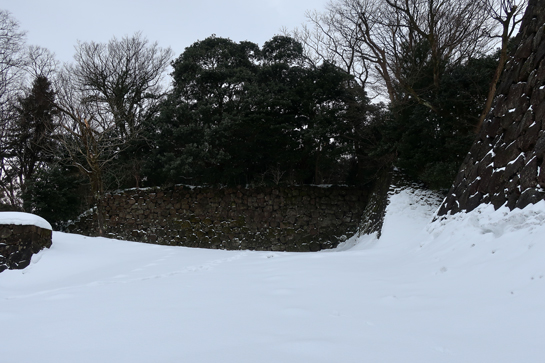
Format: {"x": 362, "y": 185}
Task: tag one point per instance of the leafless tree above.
{"x": 40, "y": 62}
{"x": 507, "y": 14}
{"x": 376, "y": 35}
{"x": 332, "y": 40}
{"x": 88, "y": 136}
{"x": 123, "y": 81}
{"x": 123, "y": 77}
{"x": 20, "y": 67}
{"x": 12, "y": 41}
{"x": 103, "y": 98}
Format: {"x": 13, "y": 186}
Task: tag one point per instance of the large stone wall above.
{"x": 304, "y": 218}
{"x": 19, "y": 242}
{"x": 375, "y": 210}
{"x": 506, "y": 164}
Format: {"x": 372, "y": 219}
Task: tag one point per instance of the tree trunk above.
{"x": 493, "y": 85}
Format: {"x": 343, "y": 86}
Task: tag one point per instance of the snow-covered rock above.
{"x": 21, "y": 236}
{"x": 24, "y": 219}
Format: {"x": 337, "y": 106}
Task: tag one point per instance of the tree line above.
{"x": 300, "y": 109}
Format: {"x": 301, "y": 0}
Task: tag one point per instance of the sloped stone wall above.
{"x": 506, "y": 164}
{"x": 19, "y": 242}
{"x": 375, "y": 210}
{"x": 304, "y": 218}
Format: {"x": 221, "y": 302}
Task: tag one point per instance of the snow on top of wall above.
{"x": 24, "y": 219}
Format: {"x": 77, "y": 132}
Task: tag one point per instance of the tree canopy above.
{"x": 294, "y": 110}
{"x": 240, "y": 114}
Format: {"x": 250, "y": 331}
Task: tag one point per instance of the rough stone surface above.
{"x": 505, "y": 164}
{"x": 19, "y": 242}
{"x": 373, "y": 215}
{"x": 303, "y": 218}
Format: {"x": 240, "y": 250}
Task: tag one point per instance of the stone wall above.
{"x": 19, "y": 242}
{"x": 375, "y": 210}
{"x": 304, "y": 218}
{"x": 506, "y": 164}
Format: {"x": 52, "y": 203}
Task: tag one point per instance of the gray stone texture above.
{"x": 18, "y": 243}
{"x": 506, "y": 164}
{"x": 375, "y": 210}
{"x": 302, "y": 218}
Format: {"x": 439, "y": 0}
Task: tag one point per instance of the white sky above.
{"x": 59, "y": 24}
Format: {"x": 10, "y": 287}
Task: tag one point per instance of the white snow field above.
{"x": 470, "y": 288}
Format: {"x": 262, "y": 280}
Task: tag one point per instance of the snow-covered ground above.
{"x": 470, "y": 288}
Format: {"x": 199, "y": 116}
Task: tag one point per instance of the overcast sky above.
{"x": 59, "y": 24}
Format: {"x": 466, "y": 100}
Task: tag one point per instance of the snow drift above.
{"x": 466, "y": 288}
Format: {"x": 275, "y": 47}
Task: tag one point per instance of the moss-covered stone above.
{"x": 282, "y": 218}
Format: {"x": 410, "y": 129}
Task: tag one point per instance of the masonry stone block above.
{"x": 299, "y": 218}
{"x": 517, "y": 126}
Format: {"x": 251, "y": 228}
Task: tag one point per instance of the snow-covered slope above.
{"x": 470, "y": 288}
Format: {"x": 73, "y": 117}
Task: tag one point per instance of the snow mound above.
{"x": 484, "y": 220}
{"x": 408, "y": 212}
{"x": 465, "y": 288}
{"x": 24, "y": 219}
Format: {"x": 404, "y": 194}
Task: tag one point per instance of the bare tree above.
{"x": 334, "y": 41}
{"x": 123, "y": 77}
{"x": 12, "y": 41}
{"x": 375, "y": 36}
{"x": 40, "y": 62}
{"x": 20, "y": 68}
{"x": 88, "y": 136}
{"x": 123, "y": 80}
{"x": 103, "y": 98}
{"x": 508, "y": 15}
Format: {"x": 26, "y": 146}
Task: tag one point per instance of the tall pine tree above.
{"x": 31, "y": 141}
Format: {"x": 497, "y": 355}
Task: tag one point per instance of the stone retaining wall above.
{"x": 506, "y": 164}
{"x": 19, "y": 242}
{"x": 304, "y": 218}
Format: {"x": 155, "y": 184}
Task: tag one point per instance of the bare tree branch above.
{"x": 123, "y": 77}
{"x": 374, "y": 36}
{"x": 508, "y": 15}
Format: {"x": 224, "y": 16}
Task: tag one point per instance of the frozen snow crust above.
{"x": 465, "y": 288}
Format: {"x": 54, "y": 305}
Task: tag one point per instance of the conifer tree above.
{"x": 240, "y": 114}
{"x": 31, "y": 141}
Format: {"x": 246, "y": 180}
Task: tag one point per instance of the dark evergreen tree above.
{"x": 201, "y": 116}
{"x": 239, "y": 114}
{"x": 57, "y": 193}
{"x": 31, "y": 141}
{"x": 431, "y": 141}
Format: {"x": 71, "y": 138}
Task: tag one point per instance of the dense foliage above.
{"x": 293, "y": 111}
{"x": 240, "y": 114}
{"x": 57, "y": 193}
{"x": 28, "y": 141}
{"x": 431, "y": 141}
